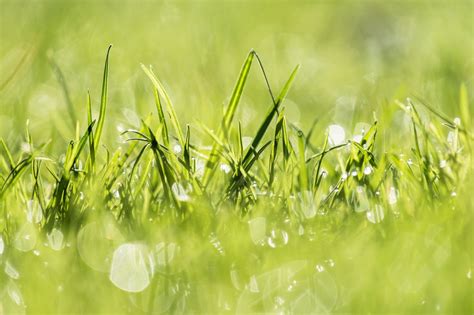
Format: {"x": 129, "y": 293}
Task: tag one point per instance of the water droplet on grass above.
{"x": 177, "y": 149}
{"x": 225, "y": 168}
{"x": 129, "y": 271}
{"x": 300, "y": 230}
{"x": 56, "y": 239}
{"x": 277, "y": 238}
{"x": 368, "y": 170}
{"x": 392, "y": 196}
{"x": 336, "y": 135}
{"x": 181, "y": 192}
{"x": 96, "y": 242}
{"x": 34, "y": 214}
{"x": 11, "y": 271}
{"x": 469, "y": 274}
{"x": 330, "y": 262}
{"x": 257, "y": 227}
{"x": 253, "y": 285}
{"x": 216, "y": 243}
{"x": 320, "y": 268}
{"x": 14, "y": 293}
{"x": 376, "y": 215}
{"x": 25, "y": 238}
{"x": 362, "y": 202}
{"x": 357, "y": 138}
{"x": 442, "y": 164}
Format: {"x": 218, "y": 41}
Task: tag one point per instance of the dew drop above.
{"x": 368, "y": 170}
{"x": 11, "y": 271}
{"x": 376, "y": 215}
{"x": 34, "y": 214}
{"x": 362, "y": 202}
{"x": 324, "y": 174}
{"x": 253, "y": 285}
{"x": 25, "y": 238}
{"x": 357, "y": 138}
{"x": 225, "y": 168}
{"x": 336, "y": 135}
{"x": 300, "y": 230}
{"x": 216, "y": 243}
{"x": 56, "y": 239}
{"x": 330, "y": 262}
{"x": 392, "y": 196}
{"x": 14, "y": 293}
{"x": 257, "y": 227}
{"x": 181, "y": 192}
{"x": 277, "y": 238}
{"x": 96, "y": 242}
{"x": 442, "y": 164}
{"x": 129, "y": 270}
{"x": 177, "y": 149}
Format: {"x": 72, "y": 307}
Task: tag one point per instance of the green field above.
{"x": 247, "y": 157}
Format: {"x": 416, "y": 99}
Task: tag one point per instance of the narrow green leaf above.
{"x": 268, "y": 119}
{"x": 169, "y": 105}
{"x": 161, "y": 117}
{"x": 229, "y": 115}
{"x": 103, "y": 101}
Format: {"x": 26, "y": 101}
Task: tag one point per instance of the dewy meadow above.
{"x": 236, "y": 157}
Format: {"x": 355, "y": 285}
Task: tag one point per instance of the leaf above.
{"x": 228, "y": 116}
{"x": 103, "y": 101}
{"x": 169, "y": 105}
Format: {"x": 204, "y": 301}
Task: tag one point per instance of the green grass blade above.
{"x": 464, "y": 106}
{"x": 268, "y": 119}
{"x": 91, "y": 138}
{"x": 161, "y": 116}
{"x": 103, "y": 101}
{"x": 229, "y": 114}
{"x": 169, "y": 105}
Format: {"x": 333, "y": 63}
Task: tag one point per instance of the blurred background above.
{"x": 354, "y": 56}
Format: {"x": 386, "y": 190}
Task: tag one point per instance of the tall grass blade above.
{"x": 103, "y": 101}
{"x": 229, "y": 115}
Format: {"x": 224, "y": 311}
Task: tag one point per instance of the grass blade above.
{"x": 169, "y": 105}
{"x": 103, "y": 101}
{"x": 229, "y": 115}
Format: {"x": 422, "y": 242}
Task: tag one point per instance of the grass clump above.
{"x": 186, "y": 220}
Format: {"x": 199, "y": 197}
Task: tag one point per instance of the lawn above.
{"x": 247, "y": 157}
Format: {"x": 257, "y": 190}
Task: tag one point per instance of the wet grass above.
{"x": 243, "y": 214}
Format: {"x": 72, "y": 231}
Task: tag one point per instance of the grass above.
{"x": 274, "y": 215}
